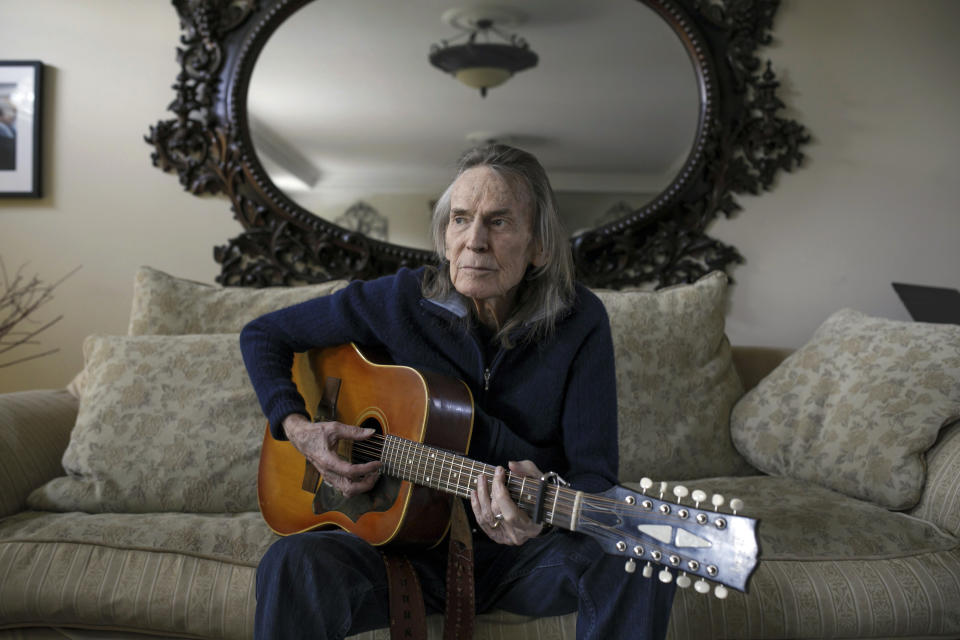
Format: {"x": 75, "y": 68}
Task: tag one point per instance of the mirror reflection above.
{"x": 352, "y": 122}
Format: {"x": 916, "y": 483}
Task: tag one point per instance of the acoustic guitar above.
{"x": 423, "y": 423}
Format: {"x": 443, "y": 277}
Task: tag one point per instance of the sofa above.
{"x": 128, "y": 500}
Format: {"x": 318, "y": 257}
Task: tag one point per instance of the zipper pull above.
{"x": 486, "y": 379}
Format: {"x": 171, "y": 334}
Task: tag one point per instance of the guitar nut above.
{"x": 675, "y": 560}
{"x": 656, "y": 555}
{"x": 638, "y": 550}
{"x": 621, "y": 545}
{"x": 683, "y": 513}
{"x": 646, "y": 504}
{"x": 702, "y": 518}
{"x": 630, "y": 500}
{"x": 721, "y": 523}
{"x": 693, "y": 565}
{"x": 712, "y": 571}
{"x": 665, "y": 509}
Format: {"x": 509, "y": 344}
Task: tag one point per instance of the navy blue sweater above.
{"x": 553, "y": 401}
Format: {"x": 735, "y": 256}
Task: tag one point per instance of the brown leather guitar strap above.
{"x": 458, "y": 620}
{"x": 408, "y": 620}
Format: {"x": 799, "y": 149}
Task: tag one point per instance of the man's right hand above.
{"x": 317, "y": 441}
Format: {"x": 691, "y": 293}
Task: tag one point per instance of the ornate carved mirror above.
{"x": 225, "y": 138}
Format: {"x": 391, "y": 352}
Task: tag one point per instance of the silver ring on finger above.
{"x": 497, "y": 519}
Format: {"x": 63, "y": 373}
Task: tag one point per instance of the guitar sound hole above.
{"x": 370, "y": 449}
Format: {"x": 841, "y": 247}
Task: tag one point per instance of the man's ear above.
{"x": 539, "y": 257}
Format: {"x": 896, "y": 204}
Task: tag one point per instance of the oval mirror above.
{"x": 350, "y": 121}
{"x": 608, "y": 112}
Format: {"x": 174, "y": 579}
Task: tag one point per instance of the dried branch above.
{"x": 20, "y": 298}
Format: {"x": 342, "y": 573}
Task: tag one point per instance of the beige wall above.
{"x": 877, "y": 200}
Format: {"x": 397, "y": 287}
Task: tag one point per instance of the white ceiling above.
{"x": 343, "y": 95}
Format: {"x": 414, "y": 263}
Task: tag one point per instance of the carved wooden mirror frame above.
{"x": 741, "y": 144}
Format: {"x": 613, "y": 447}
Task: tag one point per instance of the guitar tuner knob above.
{"x": 630, "y": 566}
{"x": 698, "y": 496}
{"x": 665, "y": 576}
{"x": 645, "y": 483}
{"x": 648, "y": 570}
{"x": 736, "y": 505}
{"x": 680, "y": 492}
{"x": 663, "y": 488}
{"x": 701, "y": 586}
{"x": 684, "y": 581}
{"x": 721, "y": 592}
{"x": 717, "y": 500}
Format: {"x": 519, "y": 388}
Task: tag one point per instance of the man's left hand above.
{"x": 496, "y": 512}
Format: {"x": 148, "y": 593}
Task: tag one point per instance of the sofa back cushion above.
{"x": 166, "y": 305}
{"x": 856, "y": 407}
{"x": 166, "y": 423}
{"x": 676, "y": 383}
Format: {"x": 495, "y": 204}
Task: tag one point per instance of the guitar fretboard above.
{"x": 452, "y": 473}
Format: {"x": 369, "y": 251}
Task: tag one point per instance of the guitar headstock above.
{"x": 687, "y": 536}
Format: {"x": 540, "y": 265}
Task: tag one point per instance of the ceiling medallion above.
{"x": 482, "y": 64}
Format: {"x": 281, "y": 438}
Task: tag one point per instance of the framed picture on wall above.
{"x": 21, "y": 90}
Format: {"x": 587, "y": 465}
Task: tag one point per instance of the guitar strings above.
{"x": 561, "y": 503}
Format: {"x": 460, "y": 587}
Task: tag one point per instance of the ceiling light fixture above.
{"x": 482, "y": 65}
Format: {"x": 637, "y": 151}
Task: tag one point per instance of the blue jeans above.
{"x": 332, "y": 584}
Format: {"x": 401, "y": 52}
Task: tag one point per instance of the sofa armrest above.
{"x": 940, "y": 502}
{"x": 34, "y": 431}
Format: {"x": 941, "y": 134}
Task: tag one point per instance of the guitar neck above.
{"x": 455, "y": 474}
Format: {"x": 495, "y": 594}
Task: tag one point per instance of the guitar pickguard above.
{"x": 380, "y": 498}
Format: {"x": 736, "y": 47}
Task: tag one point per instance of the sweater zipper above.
{"x": 488, "y": 371}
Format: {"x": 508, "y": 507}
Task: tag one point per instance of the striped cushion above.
{"x": 832, "y": 567}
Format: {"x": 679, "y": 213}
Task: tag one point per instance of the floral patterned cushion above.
{"x": 856, "y": 407}
{"x": 676, "y": 382}
{"x": 166, "y": 423}
{"x": 167, "y": 305}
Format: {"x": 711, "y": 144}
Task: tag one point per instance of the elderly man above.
{"x": 502, "y": 313}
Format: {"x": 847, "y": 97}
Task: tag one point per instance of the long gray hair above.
{"x": 546, "y": 291}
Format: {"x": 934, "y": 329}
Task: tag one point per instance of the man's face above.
{"x": 489, "y": 238}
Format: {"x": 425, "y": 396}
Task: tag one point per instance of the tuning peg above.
{"x": 701, "y": 586}
{"x": 698, "y": 496}
{"x": 645, "y": 483}
{"x": 684, "y": 581}
{"x": 736, "y": 505}
{"x": 721, "y": 592}
{"x": 648, "y": 570}
{"x": 630, "y": 566}
{"x": 665, "y": 576}
{"x": 717, "y": 501}
{"x": 663, "y": 489}
{"x": 680, "y": 492}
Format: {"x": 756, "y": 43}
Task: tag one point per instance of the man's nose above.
{"x": 477, "y": 238}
